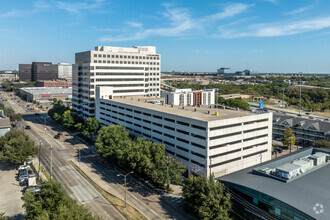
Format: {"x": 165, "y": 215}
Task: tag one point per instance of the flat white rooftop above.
{"x": 199, "y": 113}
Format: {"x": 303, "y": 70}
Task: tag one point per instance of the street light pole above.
{"x": 283, "y": 99}
{"x": 39, "y": 159}
{"x": 125, "y": 185}
{"x": 300, "y": 97}
{"x": 51, "y": 162}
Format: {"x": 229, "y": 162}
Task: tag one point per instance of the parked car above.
{"x": 307, "y": 113}
{"x": 34, "y": 189}
{"x": 28, "y": 127}
{"x": 60, "y": 133}
{"x": 23, "y": 167}
{"x": 57, "y": 136}
{"x": 311, "y": 117}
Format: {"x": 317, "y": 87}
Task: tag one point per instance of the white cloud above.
{"x": 12, "y": 13}
{"x": 298, "y": 10}
{"x": 271, "y": 1}
{"x": 180, "y": 23}
{"x": 134, "y": 24}
{"x": 276, "y": 30}
{"x": 40, "y": 4}
{"x": 76, "y": 7}
{"x": 229, "y": 11}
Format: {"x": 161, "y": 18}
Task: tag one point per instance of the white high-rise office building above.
{"x": 128, "y": 71}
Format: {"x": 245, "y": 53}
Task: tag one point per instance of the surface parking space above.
{"x": 10, "y": 193}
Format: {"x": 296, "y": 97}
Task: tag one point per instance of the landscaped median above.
{"x": 129, "y": 212}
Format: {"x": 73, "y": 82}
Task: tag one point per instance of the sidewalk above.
{"x": 145, "y": 204}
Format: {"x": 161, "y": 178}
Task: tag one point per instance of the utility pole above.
{"x": 125, "y": 186}
{"x": 39, "y": 159}
{"x": 79, "y": 157}
{"x": 300, "y": 97}
{"x": 167, "y": 174}
{"x": 210, "y": 166}
{"x": 283, "y": 99}
{"x": 51, "y": 162}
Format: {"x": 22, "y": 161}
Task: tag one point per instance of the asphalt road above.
{"x": 152, "y": 205}
{"x": 76, "y": 185}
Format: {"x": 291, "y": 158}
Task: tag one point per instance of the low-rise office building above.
{"x": 294, "y": 187}
{"x": 44, "y": 94}
{"x": 307, "y": 131}
{"x": 54, "y": 83}
{"x": 187, "y": 97}
{"x": 205, "y": 140}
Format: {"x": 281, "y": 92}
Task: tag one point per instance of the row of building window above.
{"x": 159, "y": 125}
{"x": 160, "y": 117}
{"x": 125, "y": 62}
{"x": 147, "y": 135}
{"x": 127, "y": 57}
{"x": 237, "y": 124}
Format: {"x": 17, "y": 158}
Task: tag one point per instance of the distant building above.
{"x": 45, "y": 93}
{"x": 226, "y": 71}
{"x": 292, "y": 187}
{"x": 307, "y": 131}
{"x": 8, "y": 75}
{"x": 5, "y": 125}
{"x": 64, "y": 70}
{"x": 230, "y": 73}
{"x": 54, "y": 83}
{"x": 187, "y": 97}
{"x": 44, "y": 71}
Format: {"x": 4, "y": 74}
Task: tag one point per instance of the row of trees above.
{"x": 206, "y": 198}
{"x": 52, "y": 202}
{"x": 63, "y": 115}
{"x": 10, "y": 113}
{"x": 236, "y": 103}
{"x": 9, "y": 86}
{"x": 144, "y": 157}
{"x": 16, "y": 147}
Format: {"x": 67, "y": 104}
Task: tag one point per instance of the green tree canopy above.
{"x": 206, "y": 198}
{"x": 16, "y": 147}
{"x": 90, "y": 127}
{"x": 52, "y": 202}
{"x": 67, "y": 119}
{"x": 144, "y": 157}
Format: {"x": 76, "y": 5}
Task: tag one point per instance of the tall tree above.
{"x": 206, "y": 198}
{"x": 111, "y": 140}
{"x": 16, "y": 147}
{"x": 52, "y": 202}
{"x": 91, "y": 126}
{"x": 289, "y": 138}
{"x": 67, "y": 119}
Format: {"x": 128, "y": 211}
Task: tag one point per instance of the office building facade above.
{"x": 38, "y": 71}
{"x": 129, "y": 71}
{"x": 205, "y": 140}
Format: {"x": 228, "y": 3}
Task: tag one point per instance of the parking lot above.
{"x": 10, "y": 193}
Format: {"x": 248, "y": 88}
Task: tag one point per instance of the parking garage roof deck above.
{"x": 47, "y": 90}
{"x": 199, "y": 113}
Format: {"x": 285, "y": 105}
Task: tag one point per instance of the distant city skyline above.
{"x": 201, "y": 36}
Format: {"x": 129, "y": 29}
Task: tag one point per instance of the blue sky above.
{"x": 191, "y": 35}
